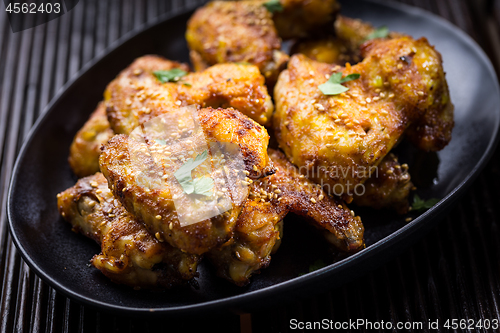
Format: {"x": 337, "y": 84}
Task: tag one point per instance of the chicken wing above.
{"x": 432, "y": 131}
{"x": 338, "y": 140}
{"x": 86, "y": 146}
{"x": 136, "y": 95}
{"x": 125, "y": 162}
{"x": 258, "y": 230}
{"x": 130, "y": 255}
{"x": 235, "y": 31}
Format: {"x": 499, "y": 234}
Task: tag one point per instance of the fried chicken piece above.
{"x": 240, "y": 86}
{"x": 86, "y": 146}
{"x": 389, "y": 187}
{"x": 432, "y": 131}
{"x": 258, "y": 230}
{"x": 305, "y": 18}
{"x": 235, "y": 31}
{"x": 136, "y": 95}
{"x": 152, "y": 202}
{"x": 340, "y": 139}
{"x": 130, "y": 255}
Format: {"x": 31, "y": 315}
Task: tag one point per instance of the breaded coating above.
{"x": 130, "y": 254}
{"x": 258, "y": 230}
{"x": 339, "y": 139}
{"x": 235, "y": 31}
{"x": 136, "y": 95}
{"x": 154, "y": 205}
{"x": 432, "y": 131}
{"x": 240, "y": 86}
{"x": 305, "y": 18}
{"x": 86, "y": 146}
{"x": 388, "y": 188}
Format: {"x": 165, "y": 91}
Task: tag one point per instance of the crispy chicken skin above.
{"x": 240, "y": 86}
{"x": 339, "y": 139}
{"x": 389, "y": 188}
{"x": 235, "y": 31}
{"x": 136, "y": 95}
{"x": 130, "y": 254}
{"x": 155, "y": 207}
{"x": 258, "y": 230}
{"x": 432, "y": 131}
{"x": 86, "y": 146}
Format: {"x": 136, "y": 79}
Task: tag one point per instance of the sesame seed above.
{"x": 420, "y": 93}
{"x": 389, "y": 172}
{"x": 158, "y": 237}
{"x": 400, "y": 66}
{"x": 98, "y": 191}
{"x": 137, "y": 71}
{"x": 321, "y": 196}
{"x": 319, "y": 107}
{"x": 391, "y": 95}
{"x": 408, "y": 219}
{"x": 356, "y": 121}
{"x": 368, "y": 100}
{"x": 178, "y": 103}
{"x": 158, "y": 217}
{"x": 377, "y": 90}
{"x": 376, "y": 98}
{"x": 352, "y": 213}
{"x": 278, "y": 191}
{"x": 337, "y": 121}
{"x": 111, "y": 215}
{"x": 313, "y": 200}
{"x": 171, "y": 226}
{"x": 384, "y": 112}
{"x": 387, "y": 136}
{"x": 93, "y": 184}
{"x": 382, "y": 94}
{"x": 254, "y": 168}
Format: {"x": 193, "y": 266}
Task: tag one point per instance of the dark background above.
{"x": 452, "y": 273}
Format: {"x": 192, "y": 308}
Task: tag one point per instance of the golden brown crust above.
{"x": 235, "y": 31}
{"x": 240, "y": 86}
{"x": 388, "y": 188}
{"x": 136, "y": 94}
{"x": 342, "y": 137}
{"x": 130, "y": 255}
{"x": 432, "y": 131}
{"x": 86, "y": 146}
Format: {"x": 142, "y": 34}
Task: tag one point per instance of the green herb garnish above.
{"x": 171, "y": 75}
{"x": 334, "y": 84}
{"x": 274, "y": 6}
{"x": 380, "y": 32}
{"x": 187, "y": 84}
{"x": 419, "y": 204}
{"x": 201, "y": 185}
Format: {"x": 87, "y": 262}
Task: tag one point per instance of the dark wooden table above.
{"x": 452, "y": 273}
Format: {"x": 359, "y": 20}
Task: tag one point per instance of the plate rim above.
{"x": 284, "y": 286}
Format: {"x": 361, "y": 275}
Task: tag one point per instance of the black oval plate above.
{"x": 61, "y": 257}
